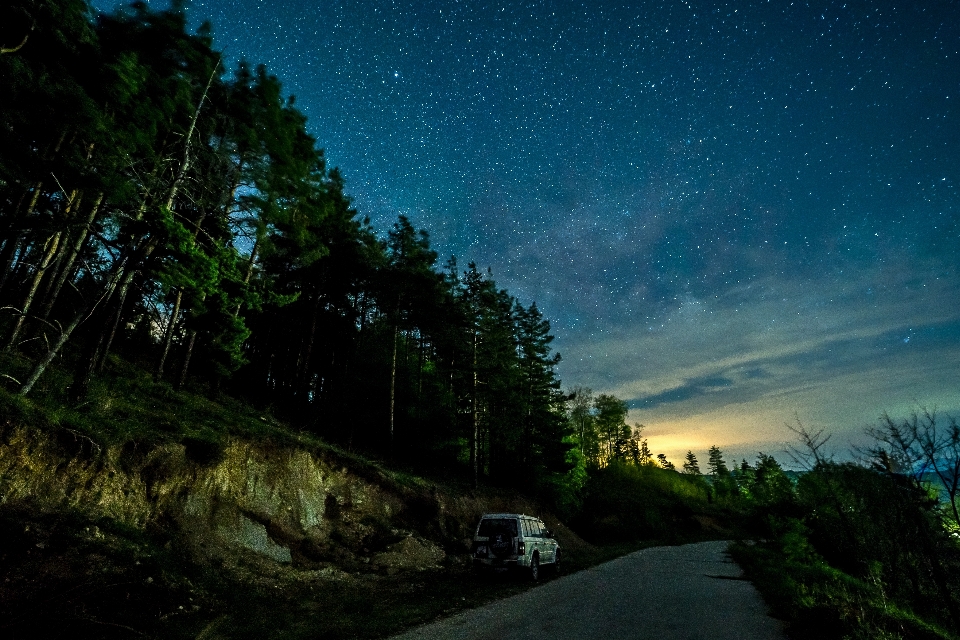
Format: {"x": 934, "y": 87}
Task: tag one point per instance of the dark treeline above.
{"x": 157, "y": 206}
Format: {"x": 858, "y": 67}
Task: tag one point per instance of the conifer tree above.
{"x": 690, "y": 464}
{"x": 611, "y": 414}
{"x": 718, "y": 468}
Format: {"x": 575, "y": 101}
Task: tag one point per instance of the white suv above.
{"x": 514, "y": 541}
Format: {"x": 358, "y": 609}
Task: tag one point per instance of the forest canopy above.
{"x": 162, "y": 208}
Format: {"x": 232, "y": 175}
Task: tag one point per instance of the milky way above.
{"x": 734, "y": 214}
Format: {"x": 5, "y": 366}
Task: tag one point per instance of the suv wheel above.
{"x": 556, "y": 562}
{"x": 535, "y": 567}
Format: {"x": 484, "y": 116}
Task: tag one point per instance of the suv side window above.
{"x": 526, "y": 528}
{"x": 535, "y": 529}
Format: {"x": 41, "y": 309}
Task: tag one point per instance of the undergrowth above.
{"x": 125, "y": 406}
{"x": 820, "y": 601}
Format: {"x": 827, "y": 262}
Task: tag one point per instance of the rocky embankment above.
{"x": 314, "y": 513}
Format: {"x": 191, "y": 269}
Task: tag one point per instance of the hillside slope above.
{"x": 248, "y": 538}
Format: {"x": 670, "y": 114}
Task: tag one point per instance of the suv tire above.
{"x": 535, "y": 567}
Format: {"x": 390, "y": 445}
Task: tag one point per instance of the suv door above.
{"x": 536, "y": 540}
{"x": 548, "y": 548}
{"x": 527, "y": 541}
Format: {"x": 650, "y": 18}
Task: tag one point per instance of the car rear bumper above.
{"x": 494, "y": 563}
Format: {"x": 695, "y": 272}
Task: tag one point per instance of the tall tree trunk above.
{"x": 71, "y": 257}
{"x": 72, "y": 201}
{"x": 82, "y": 314}
{"x": 250, "y": 264}
{"x": 15, "y": 241}
{"x": 86, "y": 364}
{"x": 308, "y": 351}
{"x": 185, "y": 163}
{"x": 77, "y": 246}
{"x": 101, "y": 358}
{"x": 186, "y": 359}
{"x": 192, "y": 339}
{"x": 52, "y": 244}
{"x": 393, "y": 382}
{"x": 420, "y": 358}
{"x": 475, "y": 435}
{"x": 10, "y": 251}
{"x": 171, "y": 197}
{"x": 7, "y": 253}
{"x": 168, "y": 335}
{"x": 49, "y": 154}
{"x": 122, "y": 277}
{"x": 10, "y": 220}
{"x": 362, "y": 308}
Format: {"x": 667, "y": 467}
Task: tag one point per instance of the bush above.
{"x": 858, "y": 554}
{"x": 627, "y": 502}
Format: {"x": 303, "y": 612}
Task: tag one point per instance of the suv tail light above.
{"x": 521, "y": 548}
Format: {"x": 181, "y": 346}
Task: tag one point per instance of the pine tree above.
{"x": 544, "y": 424}
{"x": 611, "y": 414}
{"x": 718, "y": 468}
{"x": 690, "y": 464}
{"x": 409, "y": 281}
{"x": 646, "y": 456}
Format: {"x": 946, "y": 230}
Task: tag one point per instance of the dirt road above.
{"x": 690, "y": 592}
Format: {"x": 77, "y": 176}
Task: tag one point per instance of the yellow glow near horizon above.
{"x": 744, "y": 429}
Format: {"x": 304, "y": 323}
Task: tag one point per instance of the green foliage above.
{"x": 627, "y": 502}
{"x": 818, "y": 601}
{"x": 193, "y": 228}
{"x": 664, "y": 463}
{"x": 722, "y": 480}
{"x": 690, "y": 464}
{"x": 716, "y": 464}
{"x": 852, "y": 552}
{"x": 612, "y": 429}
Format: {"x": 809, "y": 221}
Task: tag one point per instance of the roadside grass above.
{"x": 67, "y": 575}
{"x": 820, "y": 602}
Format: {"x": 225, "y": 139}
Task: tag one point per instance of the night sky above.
{"x": 734, "y": 214}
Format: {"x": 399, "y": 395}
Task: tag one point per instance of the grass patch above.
{"x": 70, "y": 576}
{"x": 818, "y": 601}
{"x": 126, "y": 407}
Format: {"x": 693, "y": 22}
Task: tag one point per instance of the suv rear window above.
{"x": 493, "y": 526}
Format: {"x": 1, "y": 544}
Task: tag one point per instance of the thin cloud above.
{"x": 732, "y": 374}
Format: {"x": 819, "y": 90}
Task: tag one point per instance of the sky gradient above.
{"x": 734, "y": 214}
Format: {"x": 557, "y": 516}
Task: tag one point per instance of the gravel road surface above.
{"x": 691, "y": 592}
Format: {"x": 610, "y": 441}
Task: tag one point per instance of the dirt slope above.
{"x": 182, "y": 530}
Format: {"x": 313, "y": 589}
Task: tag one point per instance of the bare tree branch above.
{"x": 810, "y": 454}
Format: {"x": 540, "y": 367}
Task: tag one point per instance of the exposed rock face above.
{"x": 284, "y": 504}
{"x": 321, "y": 514}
